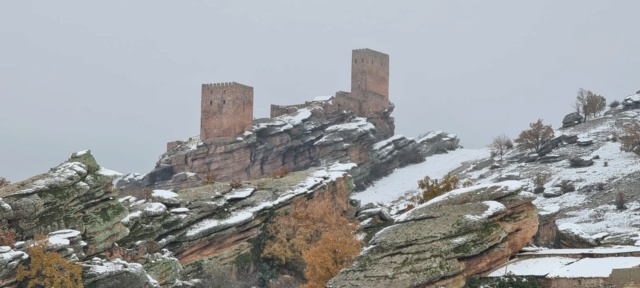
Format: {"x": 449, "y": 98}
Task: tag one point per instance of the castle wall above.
{"x": 279, "y": 110}
{"x": 226, "y": 110}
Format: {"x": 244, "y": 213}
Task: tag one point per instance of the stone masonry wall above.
{"x": 369, "y": 72}
{"x": 226, "y": 110}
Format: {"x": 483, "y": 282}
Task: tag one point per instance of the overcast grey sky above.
{"x": 122, "y": 78}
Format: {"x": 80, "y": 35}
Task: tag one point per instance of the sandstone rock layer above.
{"x": 464, "y": 233}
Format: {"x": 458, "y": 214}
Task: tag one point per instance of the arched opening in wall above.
{"x": 356, "y": 61}
{"x": 210, "y": 102}
{"x": 224, "y": 102}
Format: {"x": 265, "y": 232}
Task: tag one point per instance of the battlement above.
{"x": 367, "y": 51}
{"x": 225, "y": 84}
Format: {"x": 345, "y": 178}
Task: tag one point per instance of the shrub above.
{"x": 533, "y": 138}
{"x": 314, "y": 234}
{"x": 280, "y": 173}
{"x": 48, "y": 269}
{"x": 209, "y": 178}
{"x": 432, "y": 188}
{"x": 4, "y": 182}
{"x": 500, "y": 144}
{"x": 620, "y": 201}
{"x": 539, "y": 179}
{"x": 614, "y": 104}
{"x": 7, "y": 235}
{"x": 335, "y": 250}
{"x": 630, "y": 140}
{"x": 235, "y": 184}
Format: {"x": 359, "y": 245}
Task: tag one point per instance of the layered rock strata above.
{"x": 463, "y": 233}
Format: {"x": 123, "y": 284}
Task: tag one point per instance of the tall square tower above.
{"x": 226, "y": 110}
{"x": 369, "y": 73}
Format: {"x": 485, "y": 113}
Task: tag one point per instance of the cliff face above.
{"x": 466, "y": 232}
{"x": 305, "y": 138}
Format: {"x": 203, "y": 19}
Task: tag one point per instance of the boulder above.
{"x": 115, "y": 273}
{"x": 632, "y": 101}
{"x": 569, "y": 139}
{"x": 584, "y": 141}
{"x": 553, "y": 192}
{"x": 509, "y": 176}
{"x": 163, "y": 267}
{"x": 579, "y": 162}
{"x": 550, "y": 158}
{"x": 548, "y": 146}
{"x": 438, "y": 244}
{"x": 570, "y": 235}
{"x": 572, "y": 119}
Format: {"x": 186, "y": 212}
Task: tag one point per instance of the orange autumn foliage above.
{"x": 49, "y": 269}
{"x": 315, "y": 233}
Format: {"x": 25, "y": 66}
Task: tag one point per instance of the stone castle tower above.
{"x": 369, "y": 83}
{"x": 369, "y": 74}
{"x": 226, "y": 110}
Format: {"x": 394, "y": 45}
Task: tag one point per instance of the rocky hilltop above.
{"x": 304, "y": 138}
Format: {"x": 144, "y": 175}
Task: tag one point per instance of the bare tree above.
{"x": 589, "y": 103}
{"x": 534, "y": 137}
{"x": 630, "y": 140}
{"x": 500, "y": 145}
{"x": 4, "y": 182}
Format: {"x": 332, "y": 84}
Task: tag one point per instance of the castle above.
{"x": 227, "y": 108}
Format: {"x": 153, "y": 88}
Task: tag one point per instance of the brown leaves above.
{"x": 589, "y": 103}
{"x": 533, "y": 138}
{"x": 315, "y": 233}
{"x": 432, "y": 188}
{"x": 630, "y": 140}
{"x": 48, "y": 269}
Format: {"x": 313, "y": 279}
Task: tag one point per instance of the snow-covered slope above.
{"x": 393, "y": 190}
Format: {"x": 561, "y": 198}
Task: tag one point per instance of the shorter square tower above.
{"x": 226, "y": 110}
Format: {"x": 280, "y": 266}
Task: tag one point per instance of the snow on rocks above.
{"x": 314, "y": 180}
{"x": 62, "y": 238}
{"x": 179, "y": 210}
{"x": 154, "y": 209}
{"x": 532, "y": 267}
{"x": 239, "y": 194}
{"x": 393, "y": 190}
{"x": 165, "y": 197}
{"x": 133, "y": 216}
{"x": 209, "y": 226}
{"x": 115, "y": 273}
{"x": 10, "y": 259}
{"x": 493, "y": 208}
{"x": 594, "y": 267}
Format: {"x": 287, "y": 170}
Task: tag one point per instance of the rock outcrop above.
{"x": 307, "y": 137}
{"x": 216, "y": 224}
{"x": 463, "y": 233}
{"x": 77, "y": 195}
{"x": 572, "y": 119}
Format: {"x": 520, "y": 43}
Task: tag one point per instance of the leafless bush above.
{"x": 620, "y": 201}
{"x": 539, "y": 179}
{"x": 235, "y": 183}
{"x": 209, "y": 178}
